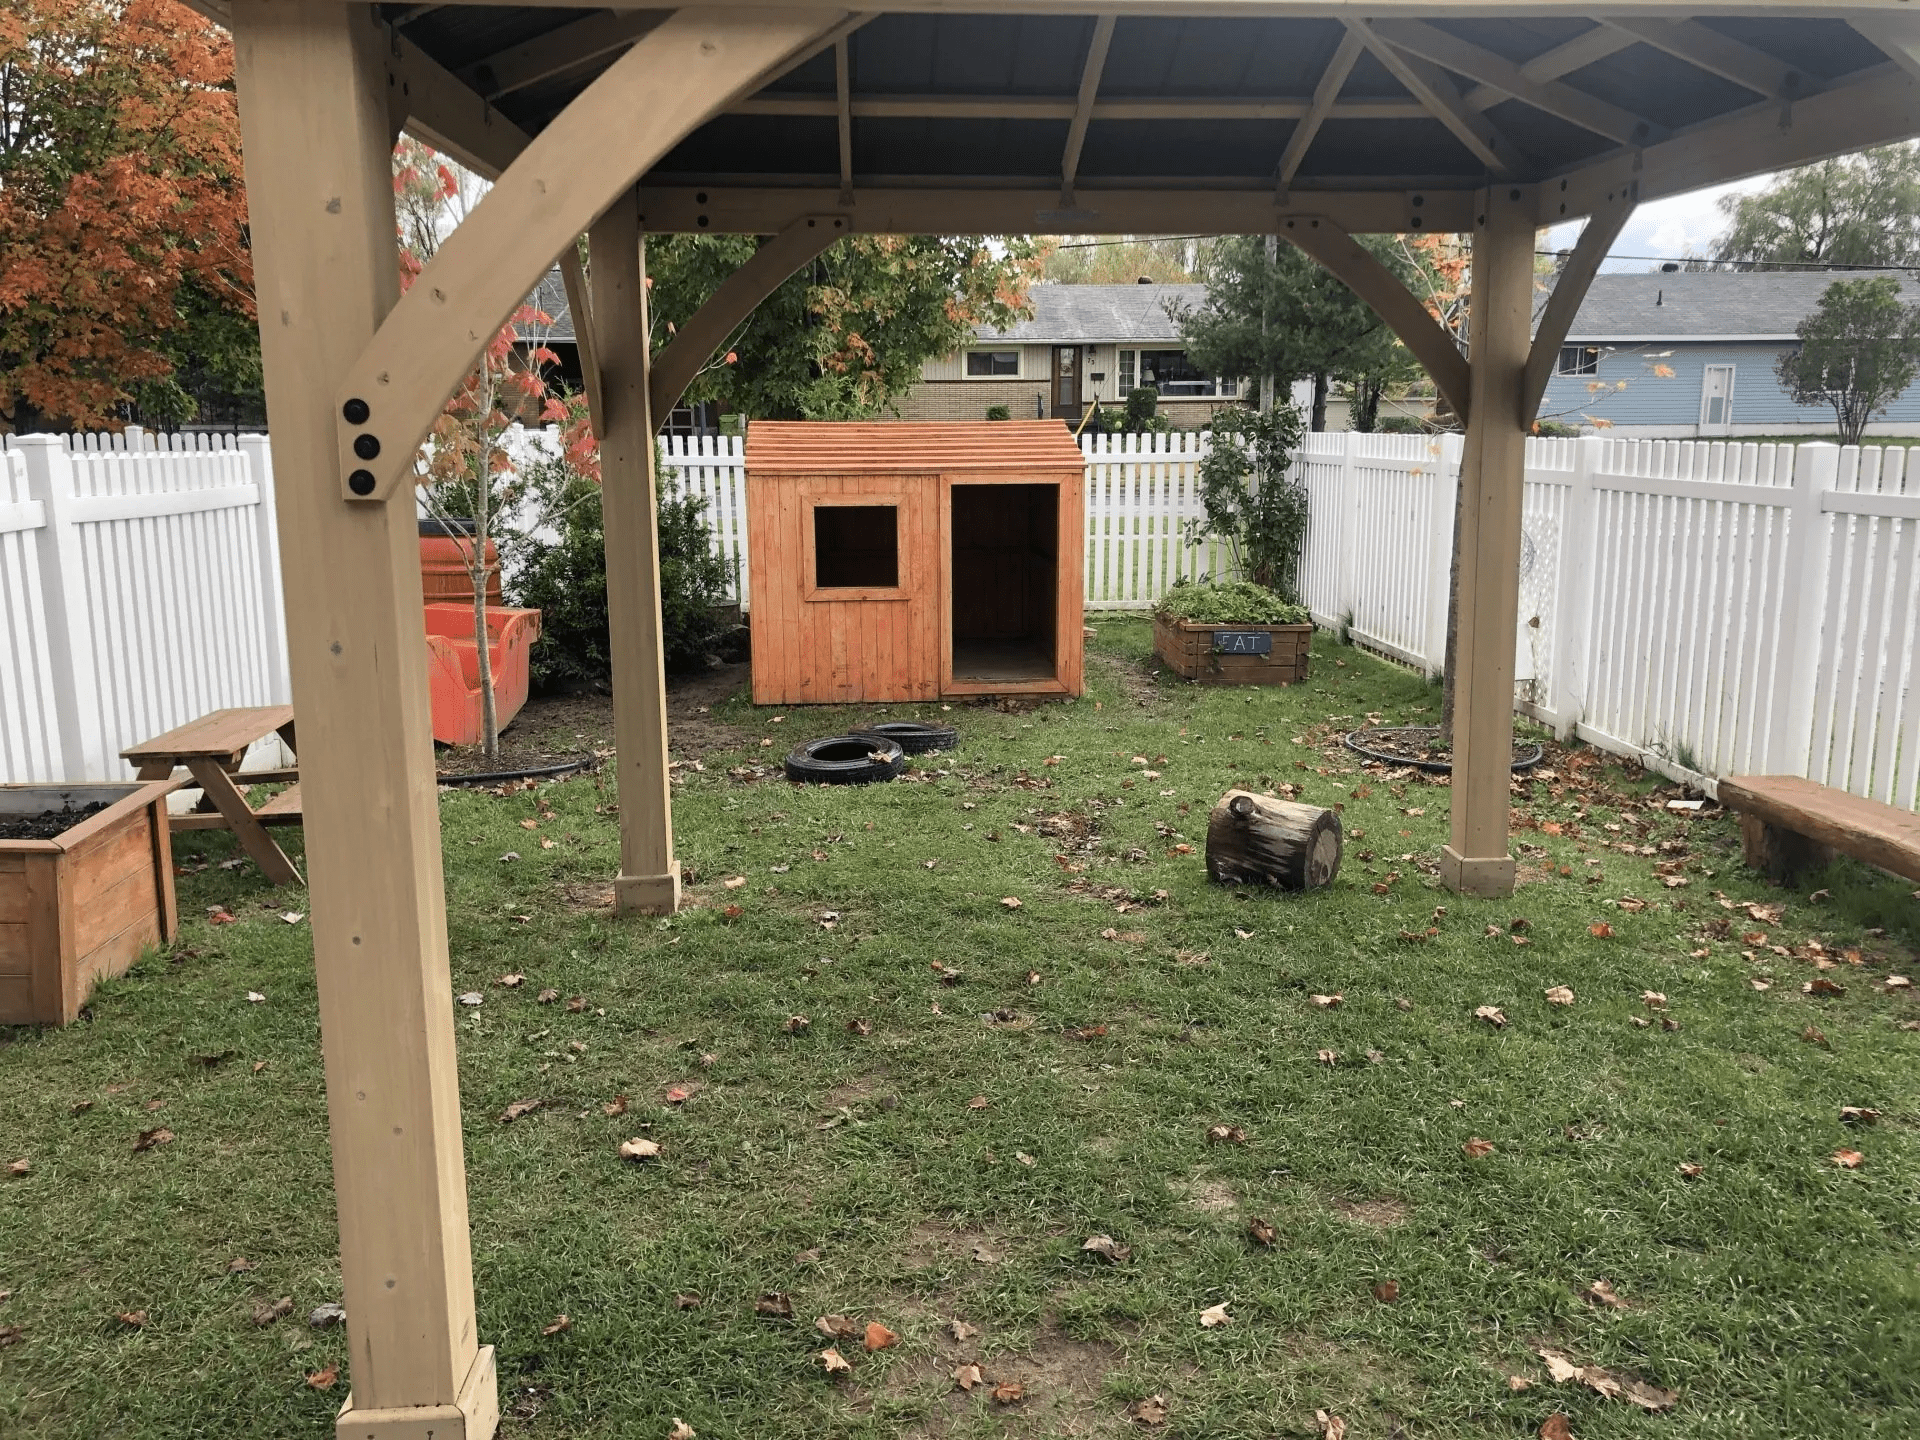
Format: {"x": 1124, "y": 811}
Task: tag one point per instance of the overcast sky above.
{"x": 1666, "y": 229}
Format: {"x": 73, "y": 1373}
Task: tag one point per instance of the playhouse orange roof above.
{"x": 855, "y": 447}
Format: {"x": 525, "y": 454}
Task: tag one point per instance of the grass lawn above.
{"x": 944, "y": 1159}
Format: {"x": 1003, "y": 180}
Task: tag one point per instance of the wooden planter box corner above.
{"x": 82, "y": 906}
{"x": 1190, "y": 650}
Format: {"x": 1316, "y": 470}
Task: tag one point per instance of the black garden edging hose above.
{"x": 846, "y": 760}
{"x": 1526, "y": 754}
{"x": 500, "y": 777}
{"x": 914, "y": 737}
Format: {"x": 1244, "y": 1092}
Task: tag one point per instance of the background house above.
{"x": 1084, "y": 342}
{"x": 1719, "y": 334}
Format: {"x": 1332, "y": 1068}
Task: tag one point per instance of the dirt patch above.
{"x": 553, "y": 729}
{"x": 931, "y": 1243}
{"x": 1061, "y": 1380}
{"x": 849, "y": 1093}
{"x": 1382, "y": 1212}
{"x": 1211, "y": 1197}
{"x": 1134, "y": 677}
{"x": 588, "y": 896}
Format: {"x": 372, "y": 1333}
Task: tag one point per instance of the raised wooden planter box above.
{"x": 84, "y": 904}
{"x": 1194, "y": 652}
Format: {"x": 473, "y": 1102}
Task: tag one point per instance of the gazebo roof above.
{"x": 1058, "y": 116}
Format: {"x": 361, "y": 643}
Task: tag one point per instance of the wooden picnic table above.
{"x": 211, "y": 748}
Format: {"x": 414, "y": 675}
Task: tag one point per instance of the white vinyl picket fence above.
{"x": 139, "y": 589}
{"x": 1708, "y": 607}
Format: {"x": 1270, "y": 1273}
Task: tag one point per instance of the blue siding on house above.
{"x": 1650, "y": 399}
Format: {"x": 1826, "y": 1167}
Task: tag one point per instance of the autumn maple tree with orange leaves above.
{"x": 123, "y": 253}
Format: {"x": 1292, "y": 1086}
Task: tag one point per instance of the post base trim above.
{"x": 475, "y": 1415}
{"x": 647, "y": 894}
{"x": 1490, "y": 877}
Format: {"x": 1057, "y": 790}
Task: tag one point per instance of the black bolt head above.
{"x": 366, "y": 446}
{"x": 360, "y": 482}
{"x": 356, "y": 411}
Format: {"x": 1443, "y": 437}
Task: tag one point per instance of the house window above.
{"x": 1127, "y": 371}
{"x": 856, "y": 547}
{"x": 1578, "y": 360}
{"x": 1171, "y": 373}
{"x": 993, "y": 362}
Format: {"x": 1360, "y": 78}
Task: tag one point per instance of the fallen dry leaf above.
{"x": 561, "y": 1324}
{"x": 678, "y": 1094}
{"x": 1848, "y": 1159}
{"x": 1600, "y": 930}
{"x": 734, "y": 882}
{"x": 1387, "y": 1291}
{"x": 547, "y": 997}
{"x": 1559, "y": 995}
{"x": 834, "y": 1363}
{"x": 1327, "y": 1057}
{"x": 1009, "y": 1392}
{"x": 238, "y": 1265}
{"x": 1858, "y": 1115}
{"x": 1011, "y": 902}
{"x": 796, "y": 1025}
{"x": 1152, "y": 1410}
{"x": 132, "y": 1319}
{"x": 1226, "y": 1135}
{"x": 837, "y": 1327}
{"x": 1261, "y": 1232}
{"x": 324, "y": 1379}
{"x": 967, "y": 1376}
{"x": 639, "y": 1148}
{"x": 511, "y": 982}
{"x": 22, "y": 1166}
{"x": 1518, "y": 1383}
{"x": 687, "y": 1300}
{"x": 776, "y": 1304}
{"x": 978, "y": 1102}
{"x": 1820, "y": 985}
{"x": 1326, "y": 1002}
{"x": 1689, "y": 1170}
{"x": 1107, "y": 1248}
{"x": 1477, "y": 1149}
{"x": 1609, "y": 1384}
{"x": 681, "y": 1430}
{"x": 160, "y": 1135}
{"x": 879, "y": 1337}
{"x": 859, "y": 1027}
{"x": 1601, "y": 1293}
{"x": 1556, "y": 1427}
{"x": 1215, "y": 1316}
{"x": 1814, "y": 1035}
{"x": 962, "y": 1331}
{"x": 1332, "y": 1427}
{"x": 1493, "y": 1015}
{"x": 269, "y": 1311}
{"x": 517, "y": 1109}
{"x": 1653, "y": 999}
{"x": 615, "y": 1106}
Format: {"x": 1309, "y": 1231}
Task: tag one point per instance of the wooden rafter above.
{"x": 557, "y": 51}
{"x": 1563, "y": 59}
{"x": 1325, "y": 95}
{"x": 843, "y": 115}
{"x": 1057, "y": 107}
{"x": 1416, "y": 37}
{"x": 580, "y": 306}
{"x": 1896, "y": 36}
{"x": 1083, "y": 106}
{"x": 670, "y": 82}
{"x": 1576, "y": 277}
{"x": 1429, "y": 84}
{"x": 431, "y": 103}
{"x": 1718, "y": 54}
{"x": 1352, "y": 263}
{"x": 675, "y": 367}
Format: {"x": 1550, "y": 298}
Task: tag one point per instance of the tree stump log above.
{"x": 1254, "y": 840}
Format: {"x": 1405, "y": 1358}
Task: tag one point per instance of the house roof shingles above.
{"x": 1709, "y": 305}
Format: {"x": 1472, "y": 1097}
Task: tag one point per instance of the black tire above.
{"x": 913, "y": 737}
{"x": 845, "y": 760}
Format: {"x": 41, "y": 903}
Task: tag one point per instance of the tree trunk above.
{"x": 1254, "y": 840}
{"x": 1319, "y": 401}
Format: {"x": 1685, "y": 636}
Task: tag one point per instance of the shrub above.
{"x": 1229, "y": 602}
{"x": 1143, "y": 412}
{"x": 560, "y": 569}
{"x": 1401, "y": 425}
{"x": 999, "y": 412}
{"x": 1250, "y": 497}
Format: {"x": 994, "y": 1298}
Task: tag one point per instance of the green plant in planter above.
{"x": 1251, "y": 499}
{"x": 1229, "y": 602}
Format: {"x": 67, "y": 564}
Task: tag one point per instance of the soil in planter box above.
{"x": 48, "y": 824}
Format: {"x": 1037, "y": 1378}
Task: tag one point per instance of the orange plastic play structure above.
{"x": 453, "y": 668}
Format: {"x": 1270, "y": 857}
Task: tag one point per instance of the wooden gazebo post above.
{"x": 313, "y": 101}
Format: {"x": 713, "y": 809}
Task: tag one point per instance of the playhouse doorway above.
{"x": 1005, "y": 572}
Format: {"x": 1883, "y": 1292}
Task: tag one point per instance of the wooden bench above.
{"x": 211, "y": 748}
{"x": 1789, "y": 825}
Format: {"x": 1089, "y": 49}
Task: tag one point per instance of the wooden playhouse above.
{"x": 909, "y": 561}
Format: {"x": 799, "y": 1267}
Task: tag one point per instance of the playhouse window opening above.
{"x": 856, "y": 547}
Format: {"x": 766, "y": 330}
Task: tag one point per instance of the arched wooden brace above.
{"x": 1344, "y": 257}
{"x": 1576, "y": 278}
{"x": 672, "y": 80}
{"x": 675, "y": 367}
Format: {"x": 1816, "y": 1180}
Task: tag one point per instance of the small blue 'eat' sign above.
{"x": 1243, "y": 642}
